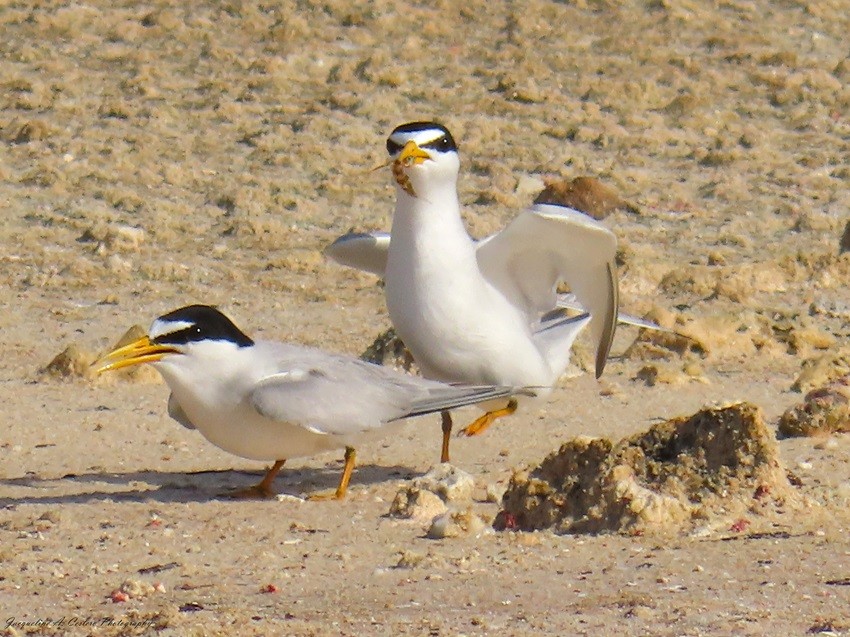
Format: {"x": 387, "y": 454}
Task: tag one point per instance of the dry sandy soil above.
{"x": 157, "y": 154}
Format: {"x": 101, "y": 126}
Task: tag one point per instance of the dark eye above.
{"x": 392, "y": 147}
{"x": 442, "y": 144}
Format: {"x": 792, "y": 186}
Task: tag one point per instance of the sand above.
{"x": 160, "y": 154}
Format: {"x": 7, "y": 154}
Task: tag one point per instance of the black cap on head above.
{"x": 443, "y": 141}
{"x": 200, "y": 323}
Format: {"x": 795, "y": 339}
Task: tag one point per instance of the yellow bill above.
{"x": 411, "y": 154}
{"x": 139, "y": 351}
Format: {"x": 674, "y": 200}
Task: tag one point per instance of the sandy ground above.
{"x": 159, "y": 154}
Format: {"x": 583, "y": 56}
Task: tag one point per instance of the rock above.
{"x": 529, "y": 185}
{"x": 587, "y": 194}
{"x": 714, "y": 466}
{"x": 72, "y": 362}
{"x": 409, "y": 559}
{"x": 138, "y": 589}
{"x": 821, "y": 370}
{"x": 824, "y": 410}
{"x": 456, "y": 524}
{"x": 388, "y": 349}
{"x": 134, "y": 373}
{"x": 412, "y": 502}
{"x": 448, "y": 482}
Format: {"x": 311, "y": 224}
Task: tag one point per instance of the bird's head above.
{"x": 423, "y": 155}
{"x": 197, "y": 331}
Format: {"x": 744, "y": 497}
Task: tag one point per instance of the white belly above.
{"x": 463, "y": 331}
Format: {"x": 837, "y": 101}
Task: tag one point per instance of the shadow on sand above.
{"x": 181, "y": 487}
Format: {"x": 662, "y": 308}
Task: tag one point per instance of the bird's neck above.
{"x": 430, "y": 225}
{"x": 225, "y": 371}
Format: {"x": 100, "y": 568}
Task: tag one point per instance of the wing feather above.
{"x": 549, "y": 244}
{"x": 364, "y": 251}
{"x": 339, "y": 395}
{"x": 177, "y": 413}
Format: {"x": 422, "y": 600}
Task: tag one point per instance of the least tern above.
{"x": 484, "y": 311}
{"x": 272, "y": 401}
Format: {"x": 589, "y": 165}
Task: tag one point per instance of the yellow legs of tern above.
{"x": 339, "y": 494}
{"x": 264, "y": 488}
{"x": 479, "y": 425}
{"x": 447, "y": 432}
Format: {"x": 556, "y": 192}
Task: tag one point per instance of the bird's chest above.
{"x": 456, "y": 326}
{"x": 211, "y": 405}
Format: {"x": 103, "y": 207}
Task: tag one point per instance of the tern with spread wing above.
{"x": 484, "y": 311}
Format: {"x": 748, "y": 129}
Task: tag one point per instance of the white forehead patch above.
{"x": 160, "y": 328}
{"x": 421, "y": 137}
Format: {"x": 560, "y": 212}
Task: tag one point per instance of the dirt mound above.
{"x": 706, "y": 470}
{"x": 824, "y": 410}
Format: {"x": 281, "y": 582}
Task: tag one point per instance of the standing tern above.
{"x": 265, "y": 400}
{"x": 484, "y": 311}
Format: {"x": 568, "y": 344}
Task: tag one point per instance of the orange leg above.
{"x": 489, "y": 418}
{"x": 264, "y": 488}
{"x": 447, "y": 432}
{"x": 342, "y": 489}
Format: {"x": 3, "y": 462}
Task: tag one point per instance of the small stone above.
{"x": 135, "y": 373}
{"x": 824, "y": 410}
{"x": 412, "y": 502}
{"x": 529, "y": 185}
{"x": 72, "y": 362}
{"x": 135, "y": 589}
{"x": 409, "y": 559}
{"x": 456, "y": 524}
{"x": 388, "y": 349}
{"x": 290, "y": 499}
{"x": 448, "y": 482}
{"x": 641, "y": 612}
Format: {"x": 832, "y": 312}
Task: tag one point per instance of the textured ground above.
{"x": 159, "y": 154}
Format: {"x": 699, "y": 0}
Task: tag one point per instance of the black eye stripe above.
{"x": 205, "y": 323}
{"x": 443, "y": 144}
{"x": 187, "y": 335}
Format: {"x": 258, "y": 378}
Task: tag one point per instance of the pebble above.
{"x": 414, "y": 503}
{"x": 448, "y": 482}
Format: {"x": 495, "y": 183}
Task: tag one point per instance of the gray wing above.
{"x": 546, "y": 245}
{"x": 176, "y": 412}
{"x": 340, "y": 395}
{"x": 363, "y": 251}
{"x": 368, "y": 252}
{"x": 543, "y": 246}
